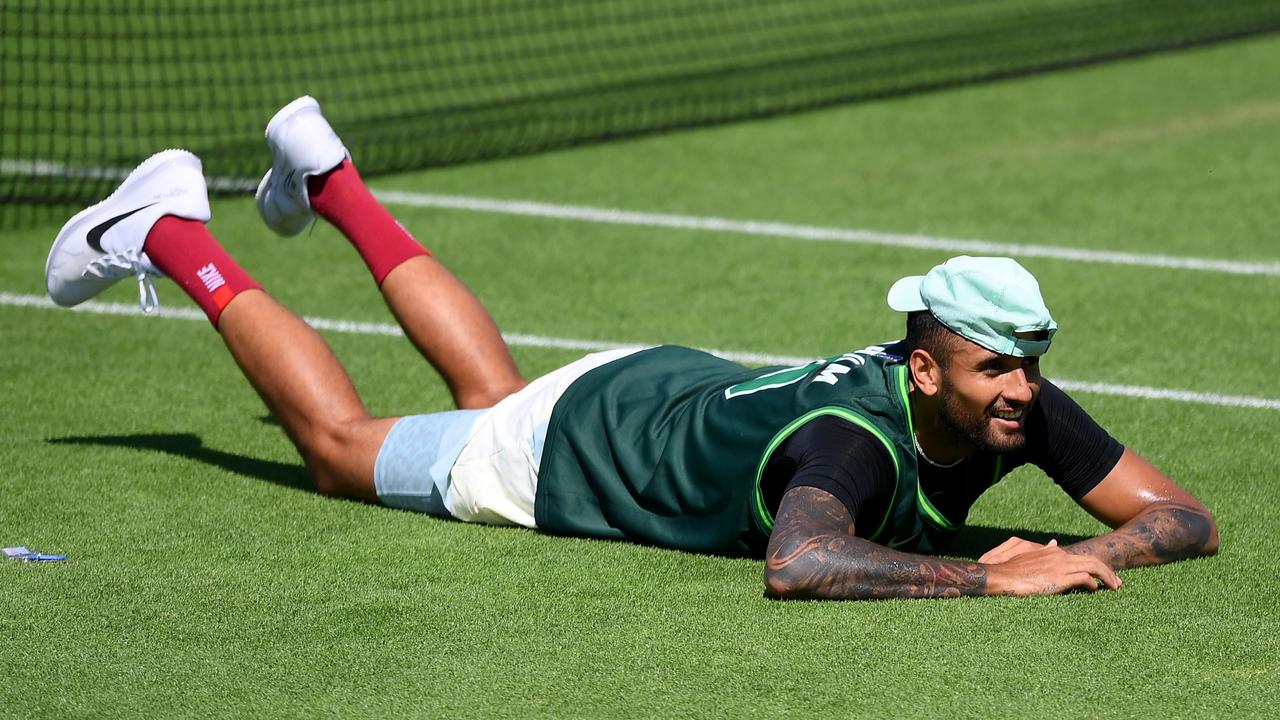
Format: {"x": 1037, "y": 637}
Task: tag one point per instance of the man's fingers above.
{"x": 1099, "y": 572}
{"x": 1052, "y": 570}
{"x": 1110, "y": 578}
{"x": 1005, "y": 550}
{"x": 1103, "y": 572}
{"x": 1081, "y": 580}
{"x": 1012, "y": 548}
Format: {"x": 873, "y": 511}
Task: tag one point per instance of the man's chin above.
{"x": 1002, "y": 442}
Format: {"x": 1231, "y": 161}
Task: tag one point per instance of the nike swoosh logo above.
{"x": 94, "y": 237}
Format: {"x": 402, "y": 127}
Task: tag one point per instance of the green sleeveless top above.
{"x": 667, "y": 447}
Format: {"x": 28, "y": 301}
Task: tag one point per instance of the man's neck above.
{"x": 934, "y": 441}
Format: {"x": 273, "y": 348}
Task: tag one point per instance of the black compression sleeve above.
{"x": 834, "y": 455}
{"x": 1069, "y": 445}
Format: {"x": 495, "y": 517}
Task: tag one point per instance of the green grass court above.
{"x": 205, "y": 580}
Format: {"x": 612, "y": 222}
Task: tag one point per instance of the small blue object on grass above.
{"x": 25, "y": 555}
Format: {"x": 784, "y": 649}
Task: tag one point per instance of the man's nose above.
{"x": 1017, "y": 388}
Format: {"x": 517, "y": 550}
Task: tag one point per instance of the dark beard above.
{"x": 976, "y": 429}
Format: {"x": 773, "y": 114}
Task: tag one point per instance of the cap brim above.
{"x": 904, "y": 296}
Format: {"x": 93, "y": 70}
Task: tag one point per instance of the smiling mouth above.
{"x": 1011, "y": 417}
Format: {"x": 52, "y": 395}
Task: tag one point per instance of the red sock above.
{"x": 187, "y": 252}
{"x": 340, "y": 197}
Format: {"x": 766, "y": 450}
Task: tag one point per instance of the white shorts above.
{"x": 496, "y": 476}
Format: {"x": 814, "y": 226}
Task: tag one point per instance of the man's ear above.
{"x": 926, "y": 372}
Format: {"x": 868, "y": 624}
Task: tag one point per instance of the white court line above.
{"x": 539, "y": 341}
{"x": 47, "y": 168}
{"x": 812, "y": 232}
{"x": 614, "y": 216}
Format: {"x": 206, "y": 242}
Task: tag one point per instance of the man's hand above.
{"x": 1048, "y": 570}
{"x": 813, "y": 553}
{"x": 1012, "y": 548}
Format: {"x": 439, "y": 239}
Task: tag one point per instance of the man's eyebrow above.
{"x": 991, "y": 362}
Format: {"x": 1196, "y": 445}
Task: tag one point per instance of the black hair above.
{"x": 926, "y": 332}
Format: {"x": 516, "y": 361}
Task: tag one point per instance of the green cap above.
{"x": 992, "y": 301}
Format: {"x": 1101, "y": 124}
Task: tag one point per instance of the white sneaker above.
{"x": 302, "y": 144}
{"x": 103, "y": 243}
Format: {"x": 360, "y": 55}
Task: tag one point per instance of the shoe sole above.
{"x": 136, "y": 177}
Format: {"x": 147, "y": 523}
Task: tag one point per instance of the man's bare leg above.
{"x": 286, "y": 361}
{"x": 441, "y": 317}
{"x": 453, "y": 331}
{"x": 308, "y": 391}
{"x": 156, "y": 220}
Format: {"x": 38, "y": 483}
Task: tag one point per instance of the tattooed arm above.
{"x": 1155, "y": 521}
{"x": 813, "y": 553}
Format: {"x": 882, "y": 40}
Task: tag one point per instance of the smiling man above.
{"x": 976, "y": 408}
{"x": 847, "y": 474}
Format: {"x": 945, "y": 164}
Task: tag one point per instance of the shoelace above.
{"x": 114, "y": 266}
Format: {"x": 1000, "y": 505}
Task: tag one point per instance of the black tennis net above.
{"x": 91, "y": 87}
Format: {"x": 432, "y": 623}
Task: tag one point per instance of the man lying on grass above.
{"x": 846, "y": 474}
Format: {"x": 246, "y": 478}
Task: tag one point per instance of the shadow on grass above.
{"x": 970, "y": 543}
{"x": 974, "y": 540}
{"x": 190, "y": 446}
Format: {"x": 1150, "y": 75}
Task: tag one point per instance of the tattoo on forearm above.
{"x": 813, "y": 553}
{"x": 1162, "y": 534}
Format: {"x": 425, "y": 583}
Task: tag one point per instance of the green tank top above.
{"x": 667, "y": 447}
